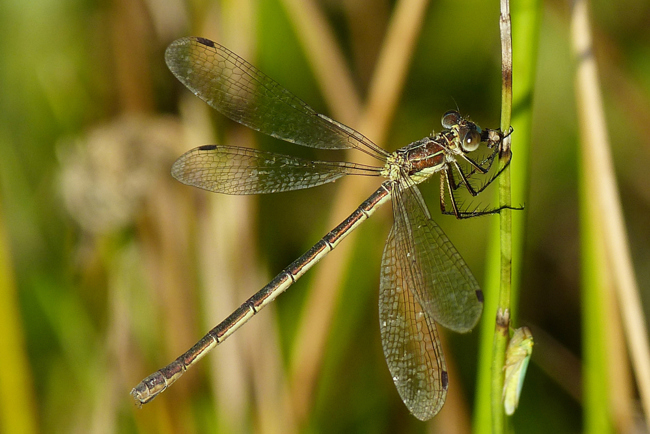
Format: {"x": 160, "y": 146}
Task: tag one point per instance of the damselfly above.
{"x": 424, "y": 280}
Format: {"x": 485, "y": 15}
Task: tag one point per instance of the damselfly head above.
{"x": 469, "y": 134}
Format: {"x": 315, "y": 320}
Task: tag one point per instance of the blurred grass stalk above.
{"x": 526, "y": 17}
{"x": 335, "y": 81}
{"x": 17, "y": 410}
{"x": 373, "y": 120}
{"x": 606, "y": 259}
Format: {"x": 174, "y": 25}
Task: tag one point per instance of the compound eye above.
{"x": 451, "y": 118}
{"x": 471, "y": 141}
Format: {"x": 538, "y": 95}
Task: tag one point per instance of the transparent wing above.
{"x": 409, "y": 337}
{"x": 232, "y": 170}
{"x": 438, "y": 276}
{"x": 241, "y": 92}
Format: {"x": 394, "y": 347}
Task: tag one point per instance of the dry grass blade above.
{"x": 600, "y": 172}
{"x": 385, "y": 88}
{"x": 326, "y": 59}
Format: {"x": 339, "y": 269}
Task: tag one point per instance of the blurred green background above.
{"x": 111, "y": 269}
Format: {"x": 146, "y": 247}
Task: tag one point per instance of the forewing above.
{"x": 409, "y": 338}
{"x": 241, "y": 92}
{"x": 233, "y": 170}
{"x": 441, "y": 280}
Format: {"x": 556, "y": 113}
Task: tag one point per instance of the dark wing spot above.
{"x": 207, "y": 148}
{"x": 206, "y": 42}
{"x": 444, "y": 377}
{"x": 479, "y": 295}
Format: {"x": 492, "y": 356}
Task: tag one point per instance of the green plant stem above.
{"x": 503, "y": 308}
{"x": 525, "y": 29}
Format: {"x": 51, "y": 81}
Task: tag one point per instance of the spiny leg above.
{"x": 448, "y": 178}
{"x": 482, "y": 168}
{"x": 465, "y": 177}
